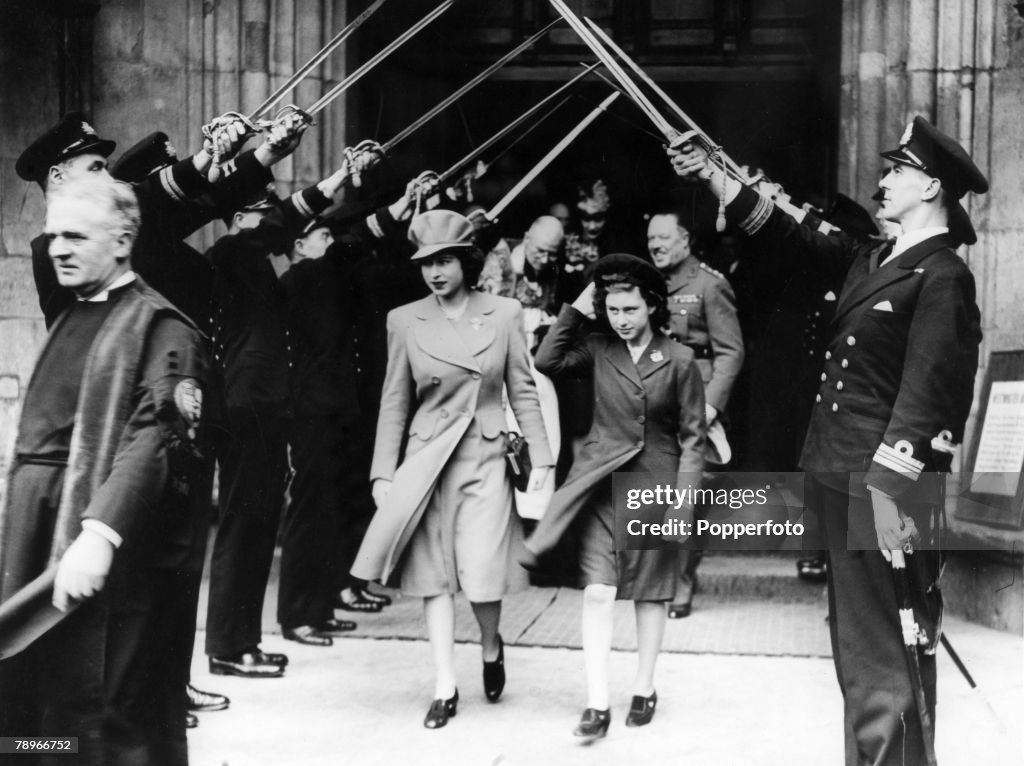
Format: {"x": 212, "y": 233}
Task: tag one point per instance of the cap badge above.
{"x": 88, "y": 129}
{"x": 908, "y": 134}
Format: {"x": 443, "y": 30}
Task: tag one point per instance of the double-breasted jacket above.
{"x": 436, "y": 386}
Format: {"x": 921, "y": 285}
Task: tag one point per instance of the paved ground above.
{"x": 742, "y": 681}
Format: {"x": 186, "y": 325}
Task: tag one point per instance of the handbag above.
{"x": 517, "y": 458}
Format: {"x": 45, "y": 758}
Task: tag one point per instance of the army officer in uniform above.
{"x": 703, "y": 317}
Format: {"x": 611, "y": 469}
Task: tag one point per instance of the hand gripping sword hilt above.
{"x": 715, "y": 155}
{"x": 353, "y": 155}
{"x": 425, "y": 186}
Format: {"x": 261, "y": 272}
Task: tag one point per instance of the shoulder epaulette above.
{"x": 710, "y": 270}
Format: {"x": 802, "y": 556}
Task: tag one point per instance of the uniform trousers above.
{"x": 330, "y": 499}
{"x": 881, "y": 722}
{"x": 252, "y": 480}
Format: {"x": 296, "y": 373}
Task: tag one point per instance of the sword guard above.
{"x": 289, "y": 109}
{"x": 425, "y": 186}
{"x": 218, "y": 124}
{"x": 354, "y": 159}
{"x": 700, "y": 140}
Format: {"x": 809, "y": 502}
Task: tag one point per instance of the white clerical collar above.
{"x": 906, "y": 241}
{"x": 103, "y": 296}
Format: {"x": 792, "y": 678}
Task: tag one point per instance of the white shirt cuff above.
{"x": 97, "y": 526}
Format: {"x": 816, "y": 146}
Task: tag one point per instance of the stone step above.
{"x": 762, "y": 576}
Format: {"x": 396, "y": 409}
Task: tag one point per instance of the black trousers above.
{"x": 253, "y": 464}
{"x": 105, "y": 674}
{"x": 882, "y": 726}
{"x": 330, "y": 507}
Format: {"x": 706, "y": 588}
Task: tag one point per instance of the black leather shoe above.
{"x": 191, "y": 720}
{"x": 332, "y": 627}
{"x": 377, "y": 598}
{"x": 641, "y": 711}
{"x": 246, "y": 665}
{"x": 308, "y": 635}
{"x": 593, "y": 724}
{"x": 354, "y": 600}
{"x": 494, "y": 674}
{"x": 274, "y": 657}
{"x": 205, "y": 702}
{"x": 812, "y": 570}
{"x": 679, "y": 611}
{"x": 440, "y": 711}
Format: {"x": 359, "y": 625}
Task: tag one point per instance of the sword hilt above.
{"x": 360, "y": 157}
{"x": 462, "y": 187}
{"x": 714, "y": 153}
{"x": 425, "y": 186}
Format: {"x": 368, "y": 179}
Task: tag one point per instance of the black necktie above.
{"x": 879, "y": 255}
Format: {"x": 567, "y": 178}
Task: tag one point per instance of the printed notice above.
{"x": 1001, "y": 447}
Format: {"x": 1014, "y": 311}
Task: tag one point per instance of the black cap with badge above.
{"x": 71, "y": 137}
{"x": 147, "y": 156}
{"x": 925, "y": 147}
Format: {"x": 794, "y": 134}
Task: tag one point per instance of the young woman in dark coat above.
{"x": 648, "y": 417}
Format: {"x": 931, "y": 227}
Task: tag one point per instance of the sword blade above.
{"x": 382, "y": 54}
{"x": 608, "y": 41}
{"x": 548, "y": 158}
{"x": 318, "y": 58}
{"x": 634, "y": 92}
{"x": 408, "y": 131}
{"x": 454, "y": 169}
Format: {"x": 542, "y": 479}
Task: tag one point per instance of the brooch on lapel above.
{"x": 657, "y": 356}
{"x": 476, "y": 323}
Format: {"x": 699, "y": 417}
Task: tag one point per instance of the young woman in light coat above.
{"x": 444, "y": 519}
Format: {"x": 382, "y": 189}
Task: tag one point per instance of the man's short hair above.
{"x": 119, "y": 197}
{"x": 671, "y": 211}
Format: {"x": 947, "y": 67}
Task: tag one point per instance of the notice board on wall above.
{"x": 992, "y": 488}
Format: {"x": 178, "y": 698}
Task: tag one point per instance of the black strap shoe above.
{"x": 494, "y": 674}
{"x": 205, "y": 702}
{"x": 593, "y": 724}
{"x": 641, "y": 711}
{"x": 440, "y": 711}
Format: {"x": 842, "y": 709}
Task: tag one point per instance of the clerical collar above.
{"x": 103, "y": 296}
{"x": 906, "y": 241}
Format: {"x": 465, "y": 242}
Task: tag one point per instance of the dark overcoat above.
{"x": 648, "y": 416}
{"x": 901, "y": 356}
